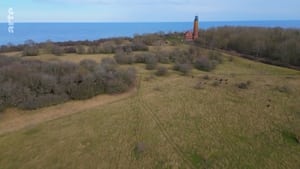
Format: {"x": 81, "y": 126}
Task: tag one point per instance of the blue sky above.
{"x": 148, "y": 10}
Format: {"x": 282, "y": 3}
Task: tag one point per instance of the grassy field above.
{"x": 174, "y": 122}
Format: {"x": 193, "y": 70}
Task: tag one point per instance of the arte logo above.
{"x": 10, "y": 19}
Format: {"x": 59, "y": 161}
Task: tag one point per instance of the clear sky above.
{"x": 148, "y": 10}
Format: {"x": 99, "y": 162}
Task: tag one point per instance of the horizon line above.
{"x": 263, "y": 20}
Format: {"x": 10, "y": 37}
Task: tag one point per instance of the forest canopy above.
{"x": 275, "y": 44}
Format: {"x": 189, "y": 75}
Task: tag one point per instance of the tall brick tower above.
{"x": 196, "y": 28}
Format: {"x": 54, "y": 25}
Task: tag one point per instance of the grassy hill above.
{"x": 243, "y": 114}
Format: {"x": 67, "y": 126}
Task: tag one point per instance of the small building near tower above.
{"x": 188, "y": 36}
{"x": 193, "y": 35}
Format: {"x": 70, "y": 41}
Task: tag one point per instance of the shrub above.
{"x": 128, "y": 76}
{"x": 203, "y": 63}
{"x": 109, "y": 61}
{"x": 151, "y": 62}
{"x": 120, "y": 81}
{"x": 139, "y": 46}
{"x": 13, "y": 93}
{"x": 115, "y": 86}
{"x": 244, "y": 85}
{"x": 70, "y": 50}
{"x": 4, "y": 60}
{"x": 30, "y": 48}
{"x": 163, "y": 57}
{"x": 56, "y": 50}
{"x": 93, "y": 50}
{"x": 42, "y": 101}
{"x": 83, "y": 88}
{"x": 140, "y": 58}
{"x": 88, "y": 64}
{"x": 31, "y": 84}
{"x": 124, "y": 58}
{"x": 108, "y": 47}
{"x": 206, "y": 77}
{"x": 80, "y": 49}
{"x": 184, "y": 68}
{"x": 127, "y": 49}
{"x": 40, "y": 83}
{"x": 31, "y": 51}
{"x": 161, "y": 71}
{"x": 213, "y": 55}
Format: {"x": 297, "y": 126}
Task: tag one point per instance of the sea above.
{"x": 59, "y": 32}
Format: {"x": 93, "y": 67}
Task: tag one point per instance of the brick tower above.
{"x": 196, "y": 28}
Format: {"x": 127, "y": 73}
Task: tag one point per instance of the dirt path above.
{"x": 15, "y": 119}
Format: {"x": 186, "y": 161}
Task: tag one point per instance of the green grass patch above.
{"x": 32, "y": 131}
{"x": 196, "y": 159}
{"x": 289, "y": 137}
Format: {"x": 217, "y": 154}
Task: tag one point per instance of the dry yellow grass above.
{"x": 15, "y": 119}
{"x": 70, "y": 57}
{"x": 178, "y": 126}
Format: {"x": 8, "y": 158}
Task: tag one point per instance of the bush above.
{"x": 83, "y": 88}
{"x": 203, "y": 63}
{"x": 31, "y": 51}
{"x": 127, "y": 49}
{"x": 93, "y": 50}
{"x": 140, "y": 58}
{"x": 70, "y": 50}
{"x": 184, "y": 68}
{"x": 163, "y": 57}
{"x": 31, "y": 84}
{"x": 56, "y": 50}
{"x": 88, "y": 64}
{"x": 124, "y": 58}
{"x": 125, "y": 81}
{"x": 42, "y": 101}
{"x": 80, "y": 49}
{"x": 107, "y": 47}
{"x": 4, "y": 60}
{"x": 213, "y": 55}
{"x": 206, "y": 77}
{"x": 139, "y": 46}
{"x": 30, "y": 48}
{"x": 151, "y": 62}
{"x": 145, "y": 57}
{"x": 109, "y": 61}
{"x": 244, "y": 85}
{"x": 161, "y": 71}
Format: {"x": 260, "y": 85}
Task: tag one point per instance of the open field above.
{"x": 171, "y": 122}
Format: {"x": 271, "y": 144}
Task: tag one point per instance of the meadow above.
{"x": 242, "y": 114}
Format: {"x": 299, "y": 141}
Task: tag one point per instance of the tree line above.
{"x": 274, "y": 44}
